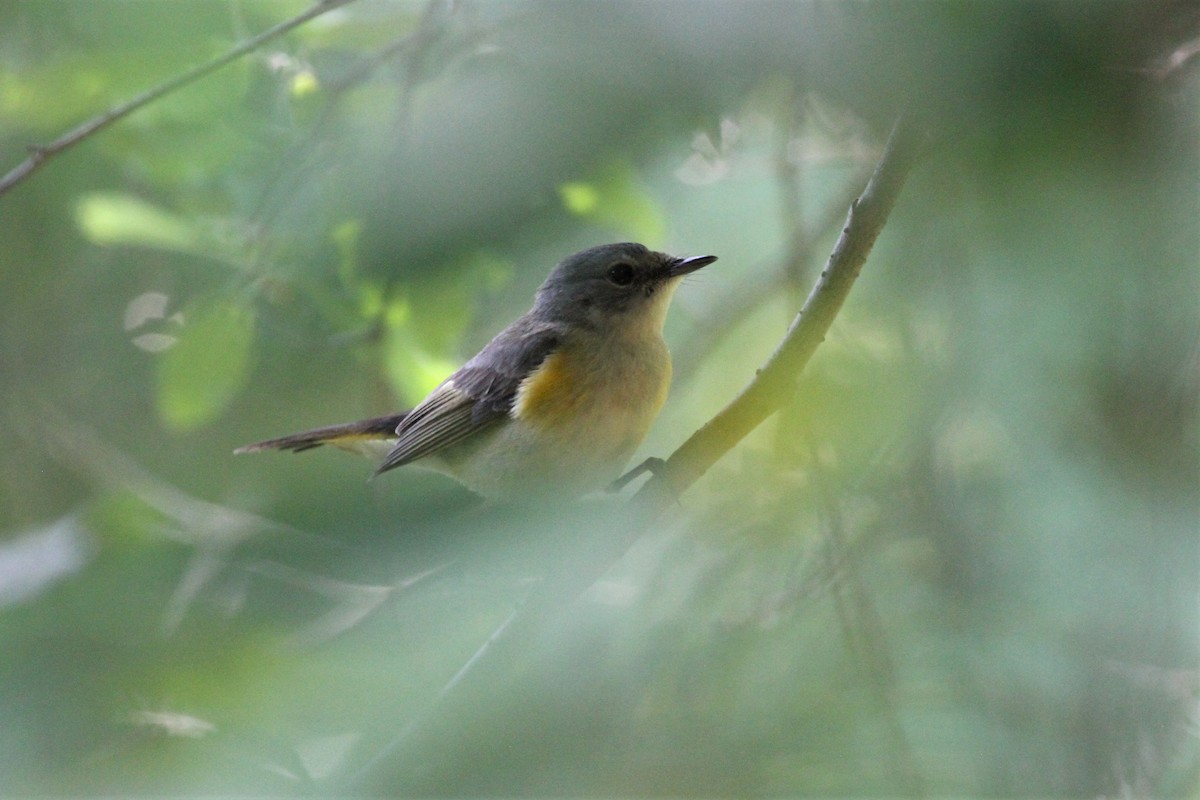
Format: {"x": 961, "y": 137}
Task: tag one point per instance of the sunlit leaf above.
{"x": 304, "y": 83}
{"x": 201, "y": 374}
{"x": 580, "y": 198}
{"x": 439, "y": 312}
{"x": 616, "y": 199}
{"x": 412, "y": 371}
{"x": 121, "y": 219}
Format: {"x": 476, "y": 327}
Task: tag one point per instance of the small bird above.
{"x": 556, "y": 404}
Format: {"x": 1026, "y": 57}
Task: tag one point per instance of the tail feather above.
{"x": 345, "y": 435}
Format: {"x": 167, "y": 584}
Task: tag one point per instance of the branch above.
{"x": 40, "y": 154}
{"x": 775, "y": 382}
{"x": 733, "y": 307}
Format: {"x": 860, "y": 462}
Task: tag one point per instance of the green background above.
{"x": 963, "y": 561}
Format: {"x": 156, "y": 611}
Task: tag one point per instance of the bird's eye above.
{"x": 620, "y": 274}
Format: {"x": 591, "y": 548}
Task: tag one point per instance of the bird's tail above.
{"x": 349, "y": 436}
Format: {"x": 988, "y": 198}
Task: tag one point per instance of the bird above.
{"x": 556, "y": 404}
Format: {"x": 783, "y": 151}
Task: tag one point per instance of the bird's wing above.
{"x": 477, "y": 395}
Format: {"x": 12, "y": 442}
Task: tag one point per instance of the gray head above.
{"x": 604, "y": 284}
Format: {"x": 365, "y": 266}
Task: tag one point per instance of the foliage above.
{"x": 963, "y": 561}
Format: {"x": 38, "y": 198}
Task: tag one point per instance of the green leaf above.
{"x": 204, "y": 371}
{"x": 121, "y": 219}
{"x": 616, "y": 199}
{"x": 413, "y": 371}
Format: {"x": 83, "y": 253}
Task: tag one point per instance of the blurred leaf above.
{"x": 199, "y": 376}
{"x": 304, "y": 83}
{"x": 108, "y": 219}
{"x": 580, "y": 198}
{"x": 413, "y": 371}
{"x": 123, "y": 518}
{"x": 440, "y": 310}
{"x": 99, "y": 58}
{"x": 76, "y": 86}
{"x": 35, "y": 560}
{"x": 617, "y": 200}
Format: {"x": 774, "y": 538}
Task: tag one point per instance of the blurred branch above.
{"x": 776, "y": 380}
{"x": 866, "y": 638}
{"x": 77, "y": 447}
{"x": 418, "y": 47}
{"x": 212, "y": 530}
{"x": 353, "y": 602}
{"x": 40, "y": 154}
{"x": 1179, "y": 58}
{"x": 787, "y": 171}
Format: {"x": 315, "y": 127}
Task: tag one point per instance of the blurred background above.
{"x": 963, "y": 561}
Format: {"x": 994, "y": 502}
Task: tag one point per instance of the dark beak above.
{"x": 682, "y": 266}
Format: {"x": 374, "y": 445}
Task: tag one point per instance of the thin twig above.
{"x": 40, "y": 154}
{"x": 363, "y": 776}
{"x": 775, "y": 382}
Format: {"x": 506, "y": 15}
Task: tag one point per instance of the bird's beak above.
{"x": 682, "y": 266}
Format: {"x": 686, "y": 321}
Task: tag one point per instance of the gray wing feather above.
{"x": 442, "y": 419}
{"x": 476, "y": 396}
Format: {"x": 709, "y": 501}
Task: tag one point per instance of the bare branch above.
{"x": 40, "y": 154}
{"x": 775, "y": 382}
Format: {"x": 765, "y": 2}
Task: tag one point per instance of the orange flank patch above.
{"x": 579, "y": 416}
{"x": 553, "y": 393}
{"x": 615, "y": 397}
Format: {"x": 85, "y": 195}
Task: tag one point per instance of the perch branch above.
{"x": 776, "y": 380}
{"x": 40, "y": 154}
{"x": 735, "y": 306}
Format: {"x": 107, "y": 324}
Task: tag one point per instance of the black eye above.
{"x": 621, "y": 274}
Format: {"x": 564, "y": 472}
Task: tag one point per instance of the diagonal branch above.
{"x": 734, "y": 307}
{"x": 775, "y": 383}
{"x": 40, "y": 154}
